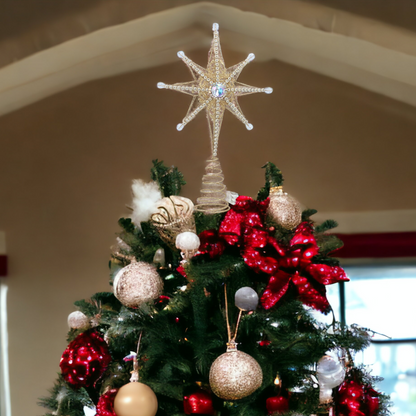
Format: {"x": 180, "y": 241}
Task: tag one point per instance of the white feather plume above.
{"x": 145, "y": 198}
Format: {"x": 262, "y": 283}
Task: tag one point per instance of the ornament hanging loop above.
{"x": 135, "y": 373}
{"x": 231, "y": 344}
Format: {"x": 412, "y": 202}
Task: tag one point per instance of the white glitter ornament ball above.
{"x": 246, "y": 299}
{"x": 235, "y": 375}
{"x": 187, "y": 241}
{"x": 78, "y": 320}
{"x": 330, "y": 373}
{"x": 284, "y": 209}
{"x": 137, "y": 283}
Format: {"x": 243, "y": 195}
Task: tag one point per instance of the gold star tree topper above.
{"x": 214, "y": 89}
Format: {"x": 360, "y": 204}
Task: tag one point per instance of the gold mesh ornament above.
{"x": 173, "y": 216}
{"x": 215, "y": 89}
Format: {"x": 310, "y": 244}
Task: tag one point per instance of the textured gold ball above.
{"x": 234, "y": 375}
{"x": 137, "y": 283}
{"x": 284, "y": 209}
{"x": 135, "y": 399}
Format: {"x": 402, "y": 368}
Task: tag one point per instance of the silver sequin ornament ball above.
{"x": 284, "y": 209}
{"x": 137, "y": 283}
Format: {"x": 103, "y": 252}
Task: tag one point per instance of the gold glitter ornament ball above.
{"x": 235, "y": 375}
{"x": 284, "y": 209}
{"x": 137, "y": 283}
{"x": 135, "y": 399}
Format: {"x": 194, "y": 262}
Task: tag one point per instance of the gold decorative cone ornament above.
{"x": 215, "y": 89}
{"x": 213, "y": 192}
{"x": 173, "y": 216}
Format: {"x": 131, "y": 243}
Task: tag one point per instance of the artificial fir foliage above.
{"x": 184, "y": 330}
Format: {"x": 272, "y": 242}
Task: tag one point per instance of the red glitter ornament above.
{"x": 277, "y": 405}
{"x": 105, "y": 405}
{"x": 85, "y": 359}
{"x": 199, "y": 402}
{"x": 211, "y": 244}
{"x": 356, "y": 399}
{"x": 162, "y": 299}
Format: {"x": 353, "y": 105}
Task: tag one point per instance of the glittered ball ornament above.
{"x": 137, "y": 283}
{"x": 235, "y": 375}
{"x": 198, "y": 403}
{"x": 277, "y": 405}
{"x": 284, "y": 209}
{"x": 105, "y": 405}
{"x": 78, "y": 320}
{"x": 135, "y": 399}
{"x": 246, "y": 299}
{"x": 85, "y": 359}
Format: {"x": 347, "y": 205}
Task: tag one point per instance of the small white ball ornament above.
{"x": 135, "y": 399}
{"x": 188, "y": 242}
{"x": 246, "y": 299}
{"x": 78, "y": 320}
{"x": 137, "y": 283}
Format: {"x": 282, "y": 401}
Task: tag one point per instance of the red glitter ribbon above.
{"x": 288, "y": 266}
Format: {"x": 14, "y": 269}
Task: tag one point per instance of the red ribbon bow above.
{"x": 287, "y": 266}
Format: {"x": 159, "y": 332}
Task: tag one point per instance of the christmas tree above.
{"x": 211, "y": 307}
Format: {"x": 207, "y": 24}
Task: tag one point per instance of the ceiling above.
{"x": 55, "y": 46}
{"x": 28, "y": 26}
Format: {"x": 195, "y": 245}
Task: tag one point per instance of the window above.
{"x": 5, "y": 407}
{"x": 382, "y": 298}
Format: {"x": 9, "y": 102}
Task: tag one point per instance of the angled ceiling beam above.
{"x": 154, "y": 39}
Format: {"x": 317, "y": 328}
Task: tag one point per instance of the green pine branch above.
{"x": 170, "y": 179}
